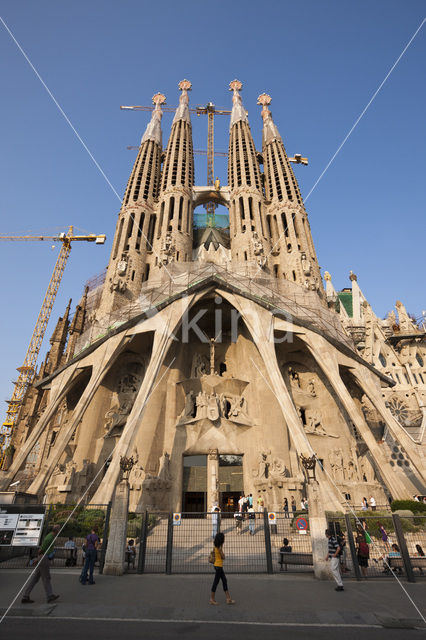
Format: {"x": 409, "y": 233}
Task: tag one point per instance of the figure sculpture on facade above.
{"x": 199, "y": 366}
{"x": 164, "y": 471}
{"x": 116, "y": 419}
{"x": 189, "y": 408}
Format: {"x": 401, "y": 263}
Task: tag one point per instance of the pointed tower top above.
{"x": 182, "y": 112}
{"x": 153, "y": 129}
{"x": 270, "y": 131}
{"x": 238, "y": 111}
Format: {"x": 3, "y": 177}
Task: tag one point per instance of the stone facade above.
{"x": 203, "y": 349}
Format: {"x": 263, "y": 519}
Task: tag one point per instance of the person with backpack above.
{"x": 45, "y": 554}
{"x": 363, "y": 554}
{"x": 219, "y": 557}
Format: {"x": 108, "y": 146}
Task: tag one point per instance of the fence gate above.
{"x": 168, "y": 544}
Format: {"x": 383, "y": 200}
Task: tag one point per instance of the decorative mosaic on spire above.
{"x": 153, "y": 129}
{"x": 182, "y": 112}
{"x": 238, "y": 111}
{"x": 270, "y": 131}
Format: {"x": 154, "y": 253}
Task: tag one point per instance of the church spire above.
{"x": 238, "y": 112}
{"x": 249, "y": 236}
{"x": 173, "y": 240}
{"x": 153, "y": 128}
{"x": 293, "y": 250}
{"x": 128, "y": 267}
{"x": 182, "y": 112}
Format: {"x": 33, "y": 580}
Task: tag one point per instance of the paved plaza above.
{"x": 165, "y": 606}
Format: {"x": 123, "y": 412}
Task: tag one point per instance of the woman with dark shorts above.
{"x": 219, "y": 557}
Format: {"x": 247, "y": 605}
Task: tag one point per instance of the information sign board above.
{"x": 28, "y": 530}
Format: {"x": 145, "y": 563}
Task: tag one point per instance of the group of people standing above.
{"x": 365, "y": 504}
{"x": 293, "y": 507}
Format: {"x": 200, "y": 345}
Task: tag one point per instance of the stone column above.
{"x": 114, "y": 560}
{"x": 317, "y": 527}
{"x": 212, "y": 478}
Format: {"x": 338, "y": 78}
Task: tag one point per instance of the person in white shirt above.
{"x": 372, "y": 503}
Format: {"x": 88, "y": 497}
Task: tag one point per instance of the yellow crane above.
{"x": 27, "y": 370}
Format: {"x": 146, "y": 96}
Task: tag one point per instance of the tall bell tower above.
{"x": 293, "y": 252}
{"x": 173, "y": 240}
{"x": 250, "y": 238}
{"x": 134, "y": 234}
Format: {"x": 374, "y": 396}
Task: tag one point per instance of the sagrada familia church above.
{"x": 217, "y": 357}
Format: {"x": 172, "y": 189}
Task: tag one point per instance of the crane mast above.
{"x": 28, "y": 368}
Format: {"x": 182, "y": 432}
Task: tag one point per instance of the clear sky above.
{"x": 320, "y": 60}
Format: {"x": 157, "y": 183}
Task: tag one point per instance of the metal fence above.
{"x": 396, "y": 545}
{"x": 252, "y": 545}
{"x": 69, "y": 551}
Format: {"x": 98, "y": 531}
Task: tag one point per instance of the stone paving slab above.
{"x": 262, "y": 598}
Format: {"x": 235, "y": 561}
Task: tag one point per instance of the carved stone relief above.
{"x": 127, "y": 385}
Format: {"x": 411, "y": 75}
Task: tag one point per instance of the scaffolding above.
{"x": 282, "y": 297}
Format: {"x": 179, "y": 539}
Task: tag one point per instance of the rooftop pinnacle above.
{"x": 238, "y": 111}
{"x": 182, "y": 112}
{"x": 270, "y": 131}
{"x": 153, "y": 129}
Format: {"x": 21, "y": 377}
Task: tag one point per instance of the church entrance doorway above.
{"x": 231, "y": 482}
{"x": 194, "y": 498}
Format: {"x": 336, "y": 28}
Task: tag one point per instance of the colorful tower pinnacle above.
{"x": 293, "y": 250}
{"x": 250, "y": 241}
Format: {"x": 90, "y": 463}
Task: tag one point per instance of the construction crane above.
{"x": 28, "y": 369}
{"x": 210, "y": 110}
{"x": 197, "y": 152}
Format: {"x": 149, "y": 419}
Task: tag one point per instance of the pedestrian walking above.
{"x": 364, "y": 504}
{"x": 260, "y": 503}
{"x": 333, "y": 555}
{"x": 252, "y": 520}
{"x": 372, "y": 503}
{"x": 215, "y": 521}
{"x": 250, "y": 500}
{"x": 238, "y": 517}
{"x": 92, "y": 543}
{"x": 219, "y": 572}
{"x": 383, "y": 535}
{"x": 293, "y": 505}
{"x": 42, "y": 570}
{"x": 286, "y": 508}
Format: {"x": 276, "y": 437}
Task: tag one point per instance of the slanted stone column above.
{"x": 317, "y": 527}
{"x": 327, "y": 360}
{"x": 317, "y": 519}
{"x": 114, "y": 560}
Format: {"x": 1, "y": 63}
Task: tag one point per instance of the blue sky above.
{"x": 321, "y": 61}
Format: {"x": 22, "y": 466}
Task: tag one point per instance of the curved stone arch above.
{"x": 203, "y": 195}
